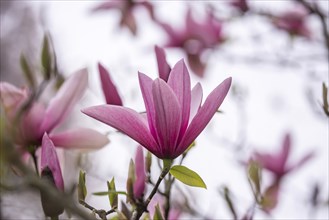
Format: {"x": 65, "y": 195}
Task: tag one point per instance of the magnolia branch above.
{"x": 141, "y": 208}
{"x": 100, "y": 212}
{"x": 313, "y": 8}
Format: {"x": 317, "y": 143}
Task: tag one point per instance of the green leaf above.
{"x": 113, "y": 197}
{"x": 46, "y": 58}
{"x": 27, "y": 71}
{"x": 107, "y": 193}
{"x": 157, "y": 213}
{"x": 82, "y": 190}
{"x": 187, "y": 176}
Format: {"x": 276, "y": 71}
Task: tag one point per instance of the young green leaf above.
{"x": 254, "y": 176}
{"x": 113, "y": 197}
{"x": 187, "y": 176}
{"x": 27, "y": 71}
{"x": 148, "y": 162}
{"x": 82, "y": 190}
{"x": 107, "y": 193}
{"x": 130, "y": 182}
{"x": 157, "y": 213}
{"x": 46, "y": 58}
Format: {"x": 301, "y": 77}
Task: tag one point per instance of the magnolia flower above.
{"x": 175, "y": 116}
{"x": 139, "y": 184}
{"x": 38, "y": 119}
{"x": 126, "y": 7}
{"x": 294, "y": 22}
{"x": 50, "y": 171}
{"x": 277, "y": 163}
{"x": 195, "y": 37}
{"x": 109, "y": 89}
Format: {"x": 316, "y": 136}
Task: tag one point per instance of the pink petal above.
{"x": 167, "y": 117}
{"x": 283, "y": 156}
{"x": 65, "y": 99}
{"x": 81, "y": 138}
{"x": 191, "y": 24}
{"x": 174, "y": 214}
{"x": 301, "y": 162}
{"x": 145, "y": 84}
{"x": 49, "y": 159}
{"x": 109, "y": 89}
{"x": 196, "y": 99}
{"x": 30, "y": 124}
{"x": 12, "y": 98}
{"x": 179, "y": 81}
{"x": 163, "y": 66}
{"x": 204, "y": 115}
{"x": 270, "y": 162}
{"x": 139, "y": 185}
{"x": 125, "y": 120}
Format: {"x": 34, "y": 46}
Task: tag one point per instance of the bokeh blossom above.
{"x": 294, "y": 22}
{"x": 29, "y": 125}
{"x": 126, "y": 8}
{"x": 277, "y": 163}
{"x": 195, "y": 38}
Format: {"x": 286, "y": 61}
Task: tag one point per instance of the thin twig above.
{"x": 313, "y": 8}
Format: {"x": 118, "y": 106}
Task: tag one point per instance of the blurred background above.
{"x": 277, "y": 89}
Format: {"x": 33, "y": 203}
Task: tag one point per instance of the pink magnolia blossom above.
{"x": 126, "y": 7}
{"x": 195, "y": 37}
{"x": 39, "y": 119}
{"x": 294, "y": 22}
{"x": 109, "y": 89}
{"x": 50, "y": 163}
{"x": 277, "y": 162}
{"x": 175, "y": 116}
{"x": 50, "y": 171}
{"x": 139, "y": 185}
